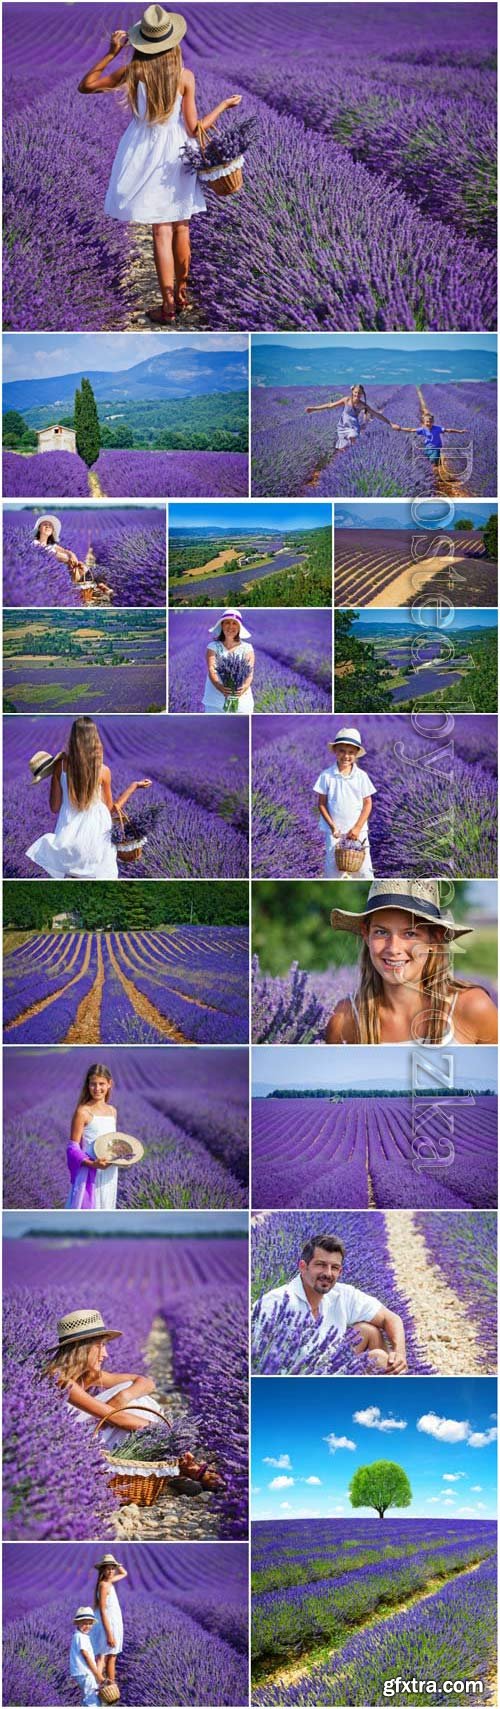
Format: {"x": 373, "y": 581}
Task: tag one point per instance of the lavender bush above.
{"x": 128, "y": 550}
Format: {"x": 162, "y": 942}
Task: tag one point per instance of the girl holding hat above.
{"x": 81, "y": 795}
{"x": 47, "y": 533}
{"x": 93, "y": 1184}
{"x": 407, "y": 991}
{"x": 150, "y": 183}
{"x": 107, "y": 1638}
{"x": 230, "y": 642}
{"x": 345, "y": 801}
{"x": 356, "y": 412}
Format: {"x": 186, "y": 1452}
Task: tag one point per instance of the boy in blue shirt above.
{"x": 431, "y": 433}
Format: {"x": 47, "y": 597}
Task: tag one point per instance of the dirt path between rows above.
{"x": 300, "y": 1669}
{"x": 95, "y": 488}
{"x": 144, "y": 1008}
{"x": 183, "y": 1518}
{"x": 44, "y": 1002}
{"x": 141, "y": 291}
{"x": 85, "y": 1029}
{"x": 442, "y": 1324}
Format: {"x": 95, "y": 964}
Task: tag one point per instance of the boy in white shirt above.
{"x": 345, "y": 801}
{"x": 82, "y": 1662}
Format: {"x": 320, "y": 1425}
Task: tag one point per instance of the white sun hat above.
{"x": 351, "y": 736}
{"x": 236, "y": 615}
{"x": 55, "y": 524}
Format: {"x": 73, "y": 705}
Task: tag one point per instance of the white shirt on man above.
{"x": 340, "y": 1308}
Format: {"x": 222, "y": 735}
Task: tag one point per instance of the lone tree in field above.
{"x": 87, "y": 429}
{"x": 381, "y": 1485}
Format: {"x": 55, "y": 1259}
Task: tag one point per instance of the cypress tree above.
{"x": 87, "y": 429}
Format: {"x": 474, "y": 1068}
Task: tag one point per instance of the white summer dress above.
{"x": 80, "y": 846}
{"x": 106, "y": 1180}
{"x": 111, "y": 1436}
{"x": 212, "y": 700}
{"x": 149, "y": 182}
{"x": 114, "y": 1616}
{"x": 348, "y": 427}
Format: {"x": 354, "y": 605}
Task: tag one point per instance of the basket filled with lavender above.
{"x": 144, "y": 1460}
{"x": 131, "y": 831}
{"x": 349, "y": 854}
{"x": 218, "y": 158}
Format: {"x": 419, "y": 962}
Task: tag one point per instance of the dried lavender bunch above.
{"x": 164, "y": 1441}
{"x": 233, "y": 139}
{"x": 232, "y": 672}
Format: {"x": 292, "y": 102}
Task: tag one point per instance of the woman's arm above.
{"x": 477, "y": 1016}
{"x": 141, "y": 783}
{"x": 312, "y": 409}
{"x": 249, "y": 679}
{"x": 78, "y": 1397}
{"x": 190, "y": 110}
{"x": 137, "y": 1385}
{"x": 55, "y": 794}
{"x": 212, "y": 671}
{"x": 94, "y": 83}
{"x": 377, "y": 413}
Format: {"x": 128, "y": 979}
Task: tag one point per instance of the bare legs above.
{"x": 172, "y": 256}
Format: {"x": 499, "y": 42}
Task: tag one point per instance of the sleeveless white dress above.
{"x": 149, "y": 181}
{"x": 106, "y": 1180}
{"x": 349, "y": 426}
{"x": 80, "y": 846}
{"x": 114, "y": 1616}
{"x": 212, "y": 700}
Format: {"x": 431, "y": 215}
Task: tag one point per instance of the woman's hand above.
{"x": 118, "y": 40}
{"x": 144, "y": 783}
{"x": 231, "y": 101}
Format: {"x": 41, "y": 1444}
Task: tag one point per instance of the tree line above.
{"x": 137, "y": 906}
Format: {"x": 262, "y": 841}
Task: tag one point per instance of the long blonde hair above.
{"x": 70, "y": 1364}
{"x": 84, "y": 762}
{"x": 161, "y": 75}
{"x": 436, "y": 982}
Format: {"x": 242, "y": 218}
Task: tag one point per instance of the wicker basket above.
{"x": 131, "y": 847}
{"x": 128, "y": 1484}
{"x": 225, "y": 180}
{"x": 109, "y": 1693}
{"x": 349, "y": 858}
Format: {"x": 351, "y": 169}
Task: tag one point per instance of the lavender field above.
{"x": 195, "y": 816}
{"x": 185, "y": 1615}
{"x": 294, "y": 455}
{"x": 99, "y": 661}
{"x": 190, "y": 1111}
{"x": 436, "y": 1153}
{"x": 179, "y": 985}
{"x": 385, "y": 126}
{"x": 293, "y": 660}
{"x": 125, "y": 548}
{"x": 318, "y": 1586}
{"x": 375, "y": 567}
{"x": 434, "y": 807}
{"x": 127, "y": 474}
{"x": 437, "y": 1272}
{"x": 182, "y": 1281}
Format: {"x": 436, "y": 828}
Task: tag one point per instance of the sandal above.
{"x": 164, "y": 314}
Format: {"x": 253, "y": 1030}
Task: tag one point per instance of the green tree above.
{"x": 359, "y": 678}
{"x": 17, "y": 436}
{"x": 87, "y": 429}
{"x": 490, "y": 537}
{"x": 464, "y": 524}
{"x": 381, "y": 1485}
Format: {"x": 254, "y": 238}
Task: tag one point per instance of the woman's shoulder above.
{"x": 341, "y": 1027}
{"x": 473, "y": 1003}
{"x": 105, "y": 773}
{"x": 188, "y": 80}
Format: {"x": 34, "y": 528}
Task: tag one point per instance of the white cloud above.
{"x": 444, "y": 1429}
{"x": 452, "y": 1477}
{"x": 281, "y": 1483}
{"x": 371, "y": 1418}
{"x": 312, "y": 1480}
{"x": 476, "y": 1489}
{"x": 282, "y": 1461}
{"x": 467, "y": 1510}
{"x": 482, "y": 1438}
{"x": 285, "y": 1507}
{"x": 335, "y": 1442}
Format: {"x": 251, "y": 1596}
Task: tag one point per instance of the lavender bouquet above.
{"x": 166, "y": 1440}
{"x": 232, "y": 672}
{"x": 232, "y": 141}
{"x": 139, "y": 825}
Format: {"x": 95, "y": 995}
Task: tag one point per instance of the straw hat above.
{"x": 135, "y": 1149}
{"x": 351, "y": 736}
{"x": 236, "y": 615}
{"x": 107, "y": 1561}
{"x": 42, "y": 764}
{"x": 55, "y": 524}
{"x": 85, "y": 1614}
{"x": 83, "y": 1326}
{"x": 157, "y": 30}
{"x": 419, "y": 896}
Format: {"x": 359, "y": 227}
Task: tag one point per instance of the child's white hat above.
{"x": 85, "y": 1614}
{"x": 54, "y": 522}
{"x": 236, "y": 615}
{"x": 351, "y": 736}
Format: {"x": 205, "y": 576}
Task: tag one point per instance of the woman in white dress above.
{"x": 150, "y": 183}
{"x": 80, "y": 793}
{"x": 94, "y": 1115}
{"x": 230, "y": 642}
{"x": 107, "y": 1635}
{"x": 356, "y": 413}
{"x": 47, "y": 533}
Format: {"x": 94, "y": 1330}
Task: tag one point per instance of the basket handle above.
{"x": 121, "y": 816}
{"x": 116, "y": 1410}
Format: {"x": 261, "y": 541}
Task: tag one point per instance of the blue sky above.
{"x": 236, "y": 515}
{"x": 435, "y": 513}
{"x": 462, "y": 619}
{"x": 38, "y": 356}
{"x": 17, "y": 1223}
{"x": 309, "y": 1435}
{"x": 281, "y": 1066}
{"x": 383, "y": 340}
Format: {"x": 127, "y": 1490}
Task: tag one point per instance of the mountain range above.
{"x": 171, "y": 375}
{"x": 283, "y": 364}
